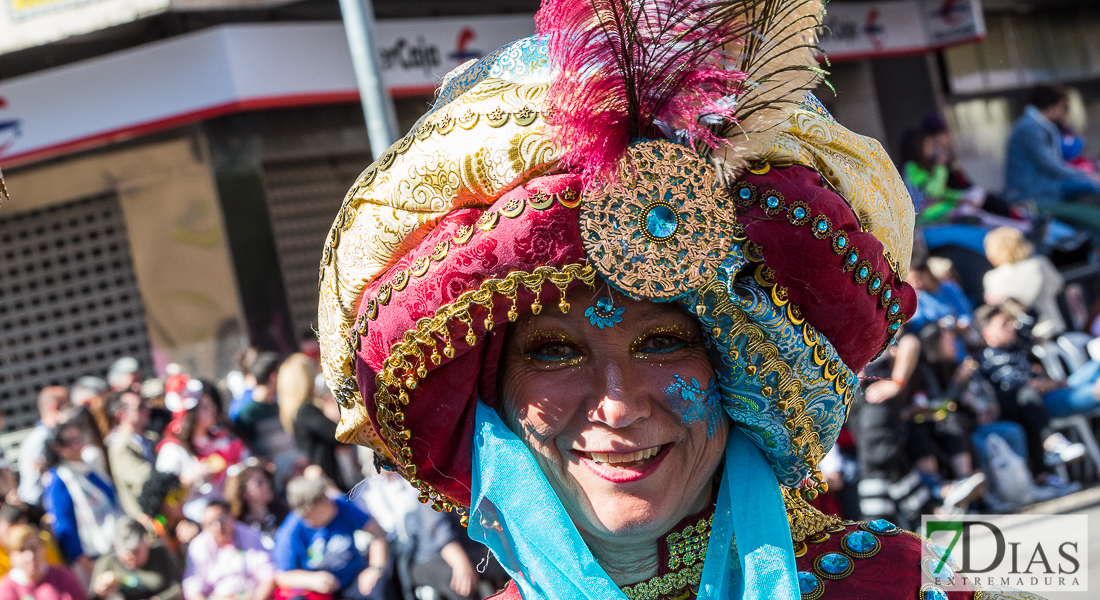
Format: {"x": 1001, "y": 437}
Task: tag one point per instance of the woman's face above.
{"x": 31, "y": 559}
{"x": 208, "y": 413}
{"x": 624, "y": 421}
{"x": 70, "y": 443}
{"x": 257, "y": 489}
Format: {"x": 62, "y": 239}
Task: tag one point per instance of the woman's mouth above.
{"x": 624, "y": 467}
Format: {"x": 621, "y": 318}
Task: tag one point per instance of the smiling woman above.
{"x": 607, "y": 301}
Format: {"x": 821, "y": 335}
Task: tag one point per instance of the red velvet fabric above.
{"x": 440, "y": 413}
{"x": 831, "y": 299}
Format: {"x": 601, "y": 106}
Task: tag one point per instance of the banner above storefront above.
{"x": 858, "y": 30}
{"x": 227, "y": 69}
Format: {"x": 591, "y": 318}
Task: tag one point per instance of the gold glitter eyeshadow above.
{"x": 540, "y": 337}
{"x": 678, "y": 331}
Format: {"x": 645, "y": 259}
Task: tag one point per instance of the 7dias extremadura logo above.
{"x": 1036, "y": 553}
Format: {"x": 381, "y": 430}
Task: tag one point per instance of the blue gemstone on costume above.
{"x": 864, "y": 272}
{"x": 834, "y": 563}
{"x": 894, "y": 309}
{"x": 889, "y": 293}
{"x": 876, "y": 284}
{"x": 852, "y": 258}
{"x": 861, "y": 542}
{"x": 745, "y": 193}
{"x": 660, "y": 221}
{"x": 842, "y": 241}
{"x": 773, "y": 202}
{"x": 881, "y": 526}
{"x": 799, "y": 212}
{"x": 939, "y": 569}
{"x": 822, "y": 225}
{"x": 894, "y": 326}
{"x": 934, "y": 593}
{"x": 807, "y": 583}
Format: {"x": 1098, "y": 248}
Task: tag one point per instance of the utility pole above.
{"x": 377, "y": 105}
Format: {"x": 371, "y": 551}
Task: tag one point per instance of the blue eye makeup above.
{"x": 553, "y": 347}
{"x": 662, "y": 340}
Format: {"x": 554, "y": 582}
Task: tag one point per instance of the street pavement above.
{"x": 1085, "y": 502}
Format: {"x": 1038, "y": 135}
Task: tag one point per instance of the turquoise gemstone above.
{"x": 799, "y": 212}
{"x": 841, "y": 242}
{"x": 773, "y": 201}
{"x": 746, "y": 193}
{"x": 861, "y": 542}
{"x": 864, "y": 272}
{"x": 876, "y": 284}
{"x": 660, "y": 221}
{"x": 807, "y": 583}
{"x": 822, "y": 225}
{"x": 888, "y": 294}
{"x": 881, "y": 526}
{"x": 834, "y": 563}
{"x": 894, "y": 326}
{"x": 934, "y": 593}
{"x": 604, "y": 305}
{"x": 853, "y": 258}
{"x": 945, "y": 573}
{"x": 894, "y": 309}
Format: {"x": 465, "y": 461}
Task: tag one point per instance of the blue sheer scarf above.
{"x": 515, "y": 512}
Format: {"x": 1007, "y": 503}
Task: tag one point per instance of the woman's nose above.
{"x": 621, "y": 403}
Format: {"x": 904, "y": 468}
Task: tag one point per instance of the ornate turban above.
{"x": 669, "y": 148}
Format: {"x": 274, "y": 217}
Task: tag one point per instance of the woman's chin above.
{"x": 636, "y": 508}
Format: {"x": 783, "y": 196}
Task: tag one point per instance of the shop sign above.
{"x": 857, "y": 30}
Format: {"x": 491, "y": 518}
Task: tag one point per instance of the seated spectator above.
{"x": 250, "y": 493}
{"x": 136, "y": 570}
{"x": 195, "y": 446}
{"x": 130, "y": 453}
{"x": 1030, "y": 280}
{"x": 80, "y": 501}
{"x": 227, "y": 560}
{"x": 304, "y": 415}
{"x": 429, "y": 549}
{"x": 937, "y": 301}
{"x": 161, "y": 502}
{"x": 1028, "y": 398}
{"x": 12, "y": 515}
{"x": 52, "y": 402}
{"x": 315, "y": 547}
{"x": 31, "y": 577}
{"x": 258, "y": 401}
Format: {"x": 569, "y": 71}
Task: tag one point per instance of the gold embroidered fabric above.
{"x": 687, "y": 550}
{"x": 859, "y": 169}
{"x": 467, "y": 154}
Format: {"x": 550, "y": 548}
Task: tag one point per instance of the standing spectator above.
{"x": 250, "y": 493}
{"x": 1030, "y": 280}
{"x": 52, "y": 401}
{"x": 227, "y": 560}
{"x": 131, "y": 455}
{"x": 259, "y": 383}
{"x": 125, "y": 374}
{"x": 304, "y": 414}
{"x": 136, "y": 570}
{"x": 31, "y": 577}
{"x": 195, "y": 446}
{"x": 315, "y": 547}
{"x": 91, "y": 393}
{"x": 1035, "y": 169}
{"x": 161, "y": 502}
{"x": 80, "y": 501}
{"x": 12, "y": 515}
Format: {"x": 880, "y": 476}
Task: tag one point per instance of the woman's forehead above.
{"x": 635, "y": 313}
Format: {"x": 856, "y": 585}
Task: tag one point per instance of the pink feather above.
{"x": 633, "y": 68}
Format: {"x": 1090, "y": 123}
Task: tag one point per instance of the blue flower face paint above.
{"x": 604, "y": 314}
{"x": 694, "y": 404}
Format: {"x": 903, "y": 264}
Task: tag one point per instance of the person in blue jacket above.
{"x": 80, "y": 501}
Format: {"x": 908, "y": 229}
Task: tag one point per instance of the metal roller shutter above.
{"x": 69, "y": 303}
{"x": 303, "y": 197}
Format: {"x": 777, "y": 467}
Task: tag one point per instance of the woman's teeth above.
{"x": 625, "y": 460}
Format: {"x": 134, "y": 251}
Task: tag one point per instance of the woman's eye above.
{"x": 554, "y": 352}
{"x": 661, "y": 344}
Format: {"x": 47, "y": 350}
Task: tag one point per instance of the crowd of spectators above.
{"x": 963, "y": 412}
{"x": 131, "y": 489}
